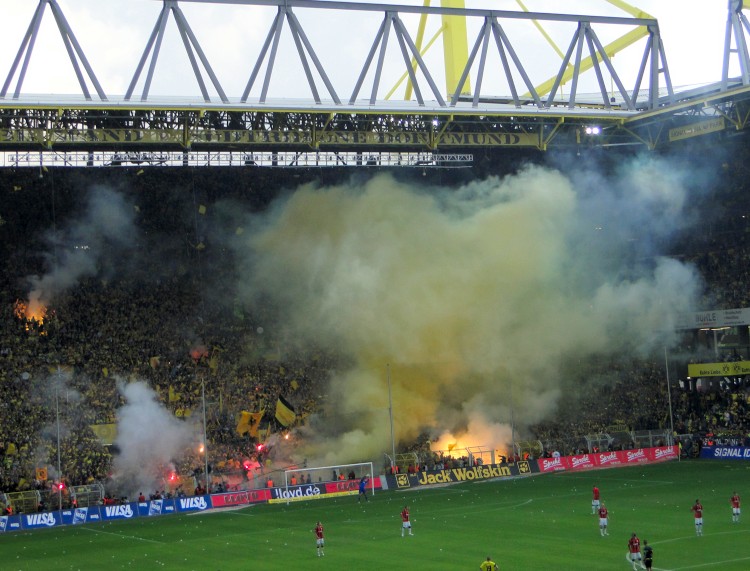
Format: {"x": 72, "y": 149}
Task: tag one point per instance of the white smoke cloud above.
{"x": 77, "y": 250}
{"x": 468, "y": 300}
{"x": 149, "y": 438}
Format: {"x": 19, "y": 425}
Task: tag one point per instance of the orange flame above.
{"x": 34, "y": 311}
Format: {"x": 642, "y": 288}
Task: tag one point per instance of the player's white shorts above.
{"x": 699, "y": 521}
{"x": 735, "y": 511}
{"x": 595, "y": 504}
{"x": 602, "y": 522}
{"x": 321, "y": 542}
{"x": 635, "y": 556}
{"x": 407, "y": 525}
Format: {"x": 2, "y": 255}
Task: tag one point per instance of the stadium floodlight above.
{"x": 593, "y": 130}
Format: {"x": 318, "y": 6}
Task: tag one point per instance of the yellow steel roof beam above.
{"x": 405, "y": 75}
{"x": 418, "y": 44}
{"x": 455, "y": 48}
{"x": 611, "y": 49}
{"x": 587, "y": 63}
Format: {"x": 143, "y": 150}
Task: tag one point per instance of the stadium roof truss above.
{"x": 534, "y": 113}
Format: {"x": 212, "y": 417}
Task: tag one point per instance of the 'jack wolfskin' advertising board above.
{"x": 456, "y": 475}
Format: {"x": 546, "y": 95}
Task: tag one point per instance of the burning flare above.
{"x": 31, "y": 313}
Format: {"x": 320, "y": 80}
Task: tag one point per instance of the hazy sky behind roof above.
{"x": 114, "y": 33}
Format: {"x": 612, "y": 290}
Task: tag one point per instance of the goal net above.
{"x": 339, "y": 480}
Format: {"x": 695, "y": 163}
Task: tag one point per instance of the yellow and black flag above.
{"x": 285, "y": 412}
{"x": 249, "y": 422}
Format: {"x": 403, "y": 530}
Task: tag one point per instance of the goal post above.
{"x": 305, "y": 483}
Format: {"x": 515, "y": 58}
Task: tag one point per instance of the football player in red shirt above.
{"x": 697, "y": 510}
{"x": 634, "y": 550}
{"x": 735, "y": 501}
{"x": 603, "y": 520}
{"x": 319, "y": 541}
{"x": 405, "y": 519}
{"x": 595, "y": 501}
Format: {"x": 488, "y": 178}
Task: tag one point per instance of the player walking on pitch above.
{"x": 406, "y": 524}
{"x": 488, "y": 565}
{"x": 735, "y": 501}
{"x": 648, "y": 555}
{"x": 595, "y": 501}
{"x": 697, "y": 510}
{"x": 603, "y": 520}
{"x": 634, "y": 552}
{"x": 319, "y": 540}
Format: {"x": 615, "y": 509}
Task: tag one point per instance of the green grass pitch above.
{"x": 540, "y": 522}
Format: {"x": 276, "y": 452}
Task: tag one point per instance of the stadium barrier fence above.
{"x": 151, "y": 508}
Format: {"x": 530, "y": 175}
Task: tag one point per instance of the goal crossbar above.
{"x": 303, "y": 480}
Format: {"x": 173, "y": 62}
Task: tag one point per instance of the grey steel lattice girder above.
{"x": 412, "y": 59}
{"x": 189, "y": 41}
{"x": 71, "y": 46}
{"x": 736, "y": 23}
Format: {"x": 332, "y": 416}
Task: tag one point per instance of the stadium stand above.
{"x": 167, "y": 325}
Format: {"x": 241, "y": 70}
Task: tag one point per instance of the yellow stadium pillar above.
{"x": 455, "y": 48}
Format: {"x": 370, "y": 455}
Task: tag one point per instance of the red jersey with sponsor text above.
{"x": 697, "y": 510}
{"x": 634, "y": 545}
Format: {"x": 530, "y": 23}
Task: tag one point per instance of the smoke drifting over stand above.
{"x": 149, "y": 438}
{"x": 103, "y": 230}
{"x": 471, "y": 297}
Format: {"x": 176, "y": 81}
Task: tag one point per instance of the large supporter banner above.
{"x": 609, "y": 459}
{"x": 456, "y": 475}
{"x": 726, "y": 452}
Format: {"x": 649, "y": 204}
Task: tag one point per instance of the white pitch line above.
{"x": 120, "y": 535}
{"x": 526, "y": 503}
{"x": 711, "y": 564}
{"x": 684, "y": 537}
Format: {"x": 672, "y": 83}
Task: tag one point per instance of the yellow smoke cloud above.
{"x": 466, "y": 299}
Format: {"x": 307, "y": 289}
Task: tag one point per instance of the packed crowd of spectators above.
{"x": 174, "y": 329}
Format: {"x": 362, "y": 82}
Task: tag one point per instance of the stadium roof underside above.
{"x": 648, "y": 113}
